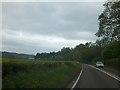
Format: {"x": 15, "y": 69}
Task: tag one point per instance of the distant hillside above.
{"x": 16, "y": 55}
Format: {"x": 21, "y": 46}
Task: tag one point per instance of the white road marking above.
{"x": 77, "y": 79}
{"x": 109, "y": 74}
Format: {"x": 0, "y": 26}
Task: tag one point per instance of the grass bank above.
{"x": 113, "y": 63}
{"x": 38, "y": 74}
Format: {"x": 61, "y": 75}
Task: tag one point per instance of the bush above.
{"x": 112, "y": 50}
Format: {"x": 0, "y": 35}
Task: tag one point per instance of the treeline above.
{"x": 82, "y": 52}
{"x": 107, "y": 48}
{"x": 89, "y": 52}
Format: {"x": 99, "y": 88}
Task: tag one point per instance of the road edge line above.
{"x": 109, "y": 74}
{"x": 77, "y": 78}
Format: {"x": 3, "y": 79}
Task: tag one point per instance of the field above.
{"x": 38, "y": 73}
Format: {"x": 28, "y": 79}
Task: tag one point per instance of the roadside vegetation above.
{"x": 38, "y": 73}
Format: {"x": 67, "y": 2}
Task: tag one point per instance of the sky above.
{"x": 31, "y": 27}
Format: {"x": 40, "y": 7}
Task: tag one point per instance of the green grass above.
{"x": 38, "y": 74}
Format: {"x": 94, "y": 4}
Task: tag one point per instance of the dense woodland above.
{"x": 106, "y": 48}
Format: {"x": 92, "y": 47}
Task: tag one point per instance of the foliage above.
{"x": 109, "y": 22}
{"x": 113, "y": 63}
{"x": 112, "y": 50}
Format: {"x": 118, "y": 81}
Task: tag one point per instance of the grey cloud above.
{"x": 70, "y": 21}
{"x": 41, "y": 17}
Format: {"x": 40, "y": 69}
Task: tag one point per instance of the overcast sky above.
{"x": 33, "y": 27}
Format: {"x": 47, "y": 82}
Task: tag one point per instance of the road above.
{"x": 93, "y": 78}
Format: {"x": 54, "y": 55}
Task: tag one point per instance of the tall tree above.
{"x": 109, "y": 22}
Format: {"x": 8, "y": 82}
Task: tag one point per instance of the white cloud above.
{"x": 15, "y": 40}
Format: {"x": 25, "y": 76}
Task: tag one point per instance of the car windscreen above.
{"x": 99, "y": 63}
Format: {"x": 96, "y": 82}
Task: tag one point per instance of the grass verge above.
{"x": 38, "y": 74}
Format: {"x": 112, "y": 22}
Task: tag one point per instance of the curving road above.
{"x": 93, "y": 78}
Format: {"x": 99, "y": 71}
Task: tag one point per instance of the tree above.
{"x": 109, "y": 22}
{"x": 37, "y": 56}
{"x": 65, "y": 53}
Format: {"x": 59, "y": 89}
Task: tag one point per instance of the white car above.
{"x": 99, "y": 64}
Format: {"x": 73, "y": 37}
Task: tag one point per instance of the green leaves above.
{"x": 112, "y": 50}
{"x": 109, "y": 22}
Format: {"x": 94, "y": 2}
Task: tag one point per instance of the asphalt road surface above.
{"x": 93, "y": 78}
